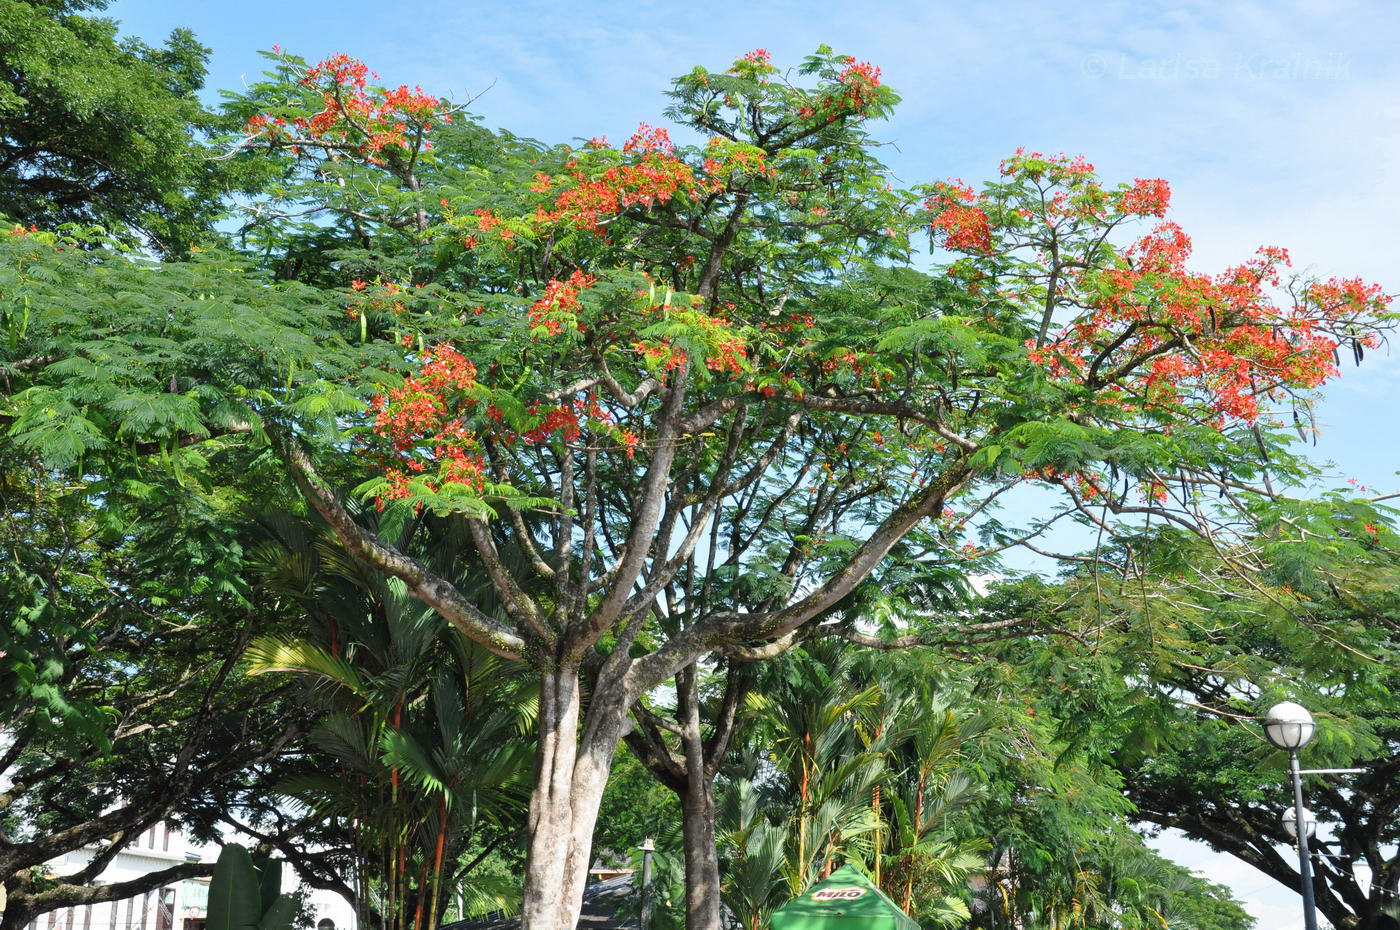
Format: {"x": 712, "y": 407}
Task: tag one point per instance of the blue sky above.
{"x": 1277, "y": 123}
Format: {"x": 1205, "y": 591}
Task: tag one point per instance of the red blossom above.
{"x": 649, "y": 139}
{"x": 730, "y": 356}
{"x": 651, "y": 175}
{"x": 861, "y": 80}
{"x": 1223, "y": 341}
{"x": 1147, "y": 197}
{"x": 757, "y": 63}
{"x": 961, "y": 225}
{"x": 1037, "y": 165}
{"x": 559, "y": 304}
{"x": 353, "y": 115}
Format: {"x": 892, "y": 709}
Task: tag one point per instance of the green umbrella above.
{"x": 845, "y": 901}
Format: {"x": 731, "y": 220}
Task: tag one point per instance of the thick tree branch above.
{"x": 367, "y": 549}
{"x": 736, "y": 628}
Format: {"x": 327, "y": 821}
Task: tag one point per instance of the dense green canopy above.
{"x": 101, "y": 129}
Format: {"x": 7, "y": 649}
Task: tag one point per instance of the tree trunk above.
{"x": 702, "y": 901}
{"x": 702, "y": 910}
{"x": 571, "y": 770}
{"x": 16, "y": 918}
{"x": 19, "y": 905}
{"x": 691, "y": 774}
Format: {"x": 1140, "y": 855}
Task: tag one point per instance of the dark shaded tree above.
{"x": 100, "y": 129}
{"x": 1193, "y": 643}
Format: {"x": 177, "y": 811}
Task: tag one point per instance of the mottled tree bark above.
{"x": 571, "y": 772}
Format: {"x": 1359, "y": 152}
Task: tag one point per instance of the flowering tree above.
{"x": 688, "y": 400}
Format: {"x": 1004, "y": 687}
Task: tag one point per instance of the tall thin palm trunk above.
{"x": 420, "y": 895}
{"x": 438, "y": 851}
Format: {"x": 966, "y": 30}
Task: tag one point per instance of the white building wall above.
{"x": 158, "y": 848}
{"x": 327, "y": 905}
{"x": 180, "y": 906}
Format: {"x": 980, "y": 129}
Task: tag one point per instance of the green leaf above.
{"x": 234, "y": 894}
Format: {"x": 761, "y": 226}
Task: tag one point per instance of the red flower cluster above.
{"x": 1038, "y": 165}
{"x": 429, "y": 443}
{"x": 559, "y": 304}
{"x": 1222, "y": 340}
{"x": 419, "y": 406}
{"x": 489, "y": 223}
{"x": 1336, "y": 295}
{"x": 412, "y": 103}
{"x": 341, "y": 69}
{"x": 650, "y": 139}
{"x": 725, "y": 347}
{"x": 859, "y": 83}
{"x": 862, "y": 82}
{"x": 724, "y": 159}
{"x": 654, "y": 176}
{"x": 757, "y": 63}
{"x": 560, "y": 419}
{"x": 661, "y": 353}
{"x": 353, "y": 113}
{"x": 425, "y": 424}
{"x": 730, "y": 355}
{"x": 1147, "y": 197}
{"x": 843, "y": 358}
{"x": 961, "y": 225}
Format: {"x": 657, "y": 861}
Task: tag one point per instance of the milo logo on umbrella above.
{"x": 847, "y": 893}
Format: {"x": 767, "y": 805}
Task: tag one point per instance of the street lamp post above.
{"x": 647, "y": 848}
{"x": 1290, "y": 823}
{"x": 1289, "y": 726}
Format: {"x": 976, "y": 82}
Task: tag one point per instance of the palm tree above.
{"x": 823, "y": 759}
{"x": 425, "y": 732}
{"x": 838, "y": 769}
{"x": 925, "y": 860}
{"x": 757, "y": 851}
